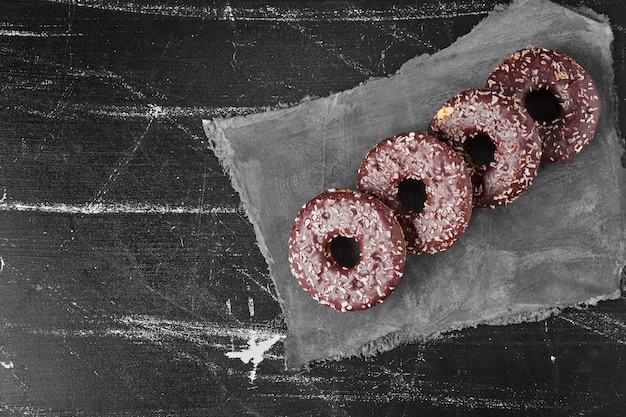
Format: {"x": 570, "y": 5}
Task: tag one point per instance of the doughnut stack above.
{"x": 415, "y": 192}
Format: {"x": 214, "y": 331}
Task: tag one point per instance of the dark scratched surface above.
{"x": 130, "y": 282}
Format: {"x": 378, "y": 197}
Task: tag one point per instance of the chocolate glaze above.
{"x": 533, "y": 69}
{"x": 352, "y": 214}
{"x": 517, "y": 144}
{"x": 448, "y": 205}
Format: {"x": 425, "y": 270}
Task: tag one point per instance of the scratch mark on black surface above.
{"x": 446, "y": 397}
{"x": 126, "y": 158}
{"x": 73, "y": 353}
{"x": 61, "y": 102}
{"x": 383, "y": 56}
{"x": 8, "y": 364}
{"x": 71, "y": 12}
{"x": 407, "y": 37}
{"x": 599, "y": 323}
{"x": 202, "y": 333}
{"x": 247, "y": 275}
{"x": 197, "y": 268}
{"x": 168, "y": 334}
{"x": 267, "y": 13}
{"x": 104, "y": 75}
{"x": 316, "y": 39}
{"x": 199, "y": 217}
{"x": 233, "y": 59}
{"x": 172, "y": 113}
{"x": 32, "y": 34}
{"x": 115, "y": 208}
{"x": 108, "y": 75}
{"x": 142, "y": 279}
{"x": 145, "y": 111}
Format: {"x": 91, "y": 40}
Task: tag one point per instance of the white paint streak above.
{"x": 228, "y": 13}
{"x": 255, "y": 352}
{"x": 155, "y": 329}
{"x": 113, "y": 208}
{"x": 1, "y": 264}
{"x": 266, "y": 13}
{"x": 448, "y": 397}
{"x": 147, "y": 112}
{"x": 169, "y": 333}
{"x": 598, "y": 323}
{"x": 7, "y": 365}
{"x": 32, "y": 34}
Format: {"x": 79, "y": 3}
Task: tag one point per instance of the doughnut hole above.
{"x": 480, "y": 150}
{"x": 542, "y": 105}
{"x": 344, "y": 251}
{"x": 412, "y": 194}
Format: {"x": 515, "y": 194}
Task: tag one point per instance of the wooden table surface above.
{"x": 130, "y": 282}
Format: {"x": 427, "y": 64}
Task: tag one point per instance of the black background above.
{"x": 128, "y": 268}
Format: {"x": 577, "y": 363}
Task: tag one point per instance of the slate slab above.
{"x": 562, "y": 243}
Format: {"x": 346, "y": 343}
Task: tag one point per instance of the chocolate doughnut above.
{"x": 559, "y": 94}
{"x": 340, "y": 218}
{"x": 425, "y": 183}
{"x": 498, "y": 140}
